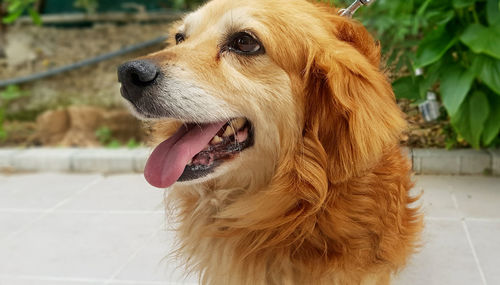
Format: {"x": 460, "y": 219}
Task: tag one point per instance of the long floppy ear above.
{"x": 350, "y": 102}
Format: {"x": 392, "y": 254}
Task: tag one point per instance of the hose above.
{"x": 83, "y": 63}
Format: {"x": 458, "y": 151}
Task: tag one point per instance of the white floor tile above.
{"x": 119, "y": 193}
{"x": 113, "y": 229}
{"x": 11, "y": 222}
{"x": 445, "y": 258}
{"x": 485, "y": 236}
{"x": 477, "y": 197}
{"x": 46, "y": 281}
{"x": 40, "y": 191}
{"x": 86, "y": 246}
{"x": 156, "y": 263}
{"x": 437, "y": 200}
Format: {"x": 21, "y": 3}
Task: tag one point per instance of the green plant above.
{"x": 397, "y": 24}
{"x": 460, "y": 55}
{"x": 103, "y": 135}
{"x": 10, "y": 94}
{"x": 114, "y": 144}
{"x": 132, "y": 143}
{"x": 457, "y": 45}
{"x": 16, "y": 8}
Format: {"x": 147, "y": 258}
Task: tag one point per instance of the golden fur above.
{"x": 323, "y": 195}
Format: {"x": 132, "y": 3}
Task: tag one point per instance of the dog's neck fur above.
{"x": 227, "y": 245}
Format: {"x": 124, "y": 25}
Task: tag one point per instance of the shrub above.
{"x": 16, "y": 8}
{"x": 457, "y": 44}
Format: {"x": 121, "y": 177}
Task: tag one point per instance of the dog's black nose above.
{"x": 138, "y": 72}
{"x": 135, "y": 75}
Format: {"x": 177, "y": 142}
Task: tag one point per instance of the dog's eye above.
{"x": 179, "y": 38}
{"x": 244, "y": 43}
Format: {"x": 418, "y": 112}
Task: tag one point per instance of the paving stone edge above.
{"x": 425, "y": 161}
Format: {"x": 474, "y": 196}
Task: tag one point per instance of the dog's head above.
{"x": 256, "y": 87}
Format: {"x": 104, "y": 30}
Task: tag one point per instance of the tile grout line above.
{"x": 457, "y": 219}
{"x": 51, "y": 210}
{"x": 474, "y": 253}
{"x": 484, "y": 219}
{"x": 132, "y": 256}
{"x": 445, "y": 219}
{"x": 469, "y": 240}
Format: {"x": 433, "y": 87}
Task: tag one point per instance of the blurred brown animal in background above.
{"x": 283, "y": 144}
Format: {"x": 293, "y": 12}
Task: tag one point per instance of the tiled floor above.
{"x": 89, "y": 229}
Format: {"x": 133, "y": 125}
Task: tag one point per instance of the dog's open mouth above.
{"x": 195, "y": 150}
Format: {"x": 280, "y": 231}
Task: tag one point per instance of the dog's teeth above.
{"x": 216, "y": 140}
{"x": 234, "y": 126}
{"x": 190, "y": 162}
{"x": 229, "y": 131}
{"x": 238, "y": 123}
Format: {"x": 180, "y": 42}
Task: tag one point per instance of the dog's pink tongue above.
{"x": 167, "y": 162}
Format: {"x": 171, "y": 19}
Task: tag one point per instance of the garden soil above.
{"x": 35, "y": 49}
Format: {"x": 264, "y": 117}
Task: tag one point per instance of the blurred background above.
{"x": 443, "y": 57}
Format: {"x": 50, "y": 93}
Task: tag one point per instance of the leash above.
{"x": 349, "y": 11}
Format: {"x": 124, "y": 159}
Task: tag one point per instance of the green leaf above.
{"x": 15, "y": 6}
{"x": 458, "y": 4}
{"x": 11, "y": 92}
{"x": 488, "y": 71}
{"x": 441, "y": 18}
{"x": 132, "y": 143}
{"x": 430, "y": 76}
{"x": 2, "y": 116}
{"x": 10, "y": 18}
{"x": 114, "y": 144}
{"x": 493, "y": 12}
{"x": 3, "y": 135}
{"x": 103, "y": 134}
{"x": 456, "y": 82}
{"x": 463, "y": 3}
{"x": 492, "y": 126}
{"x": 406, "y": 87}
{"x": 35, "y": 17}
{"x": 434, "y": 46}
{"x": 423, "y": 7}
{"x": 483, "y": 39}
{"x": 470, "y": 119}
{"x": 418, "y": 16}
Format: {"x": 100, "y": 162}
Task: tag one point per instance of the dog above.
{"x": 279, "y": 135}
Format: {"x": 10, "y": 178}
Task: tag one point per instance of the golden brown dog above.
{"x": 283, "y": 145}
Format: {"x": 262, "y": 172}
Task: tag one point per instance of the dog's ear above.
{"x": 350, "y": 106}
{"x": 355, "y": 34}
